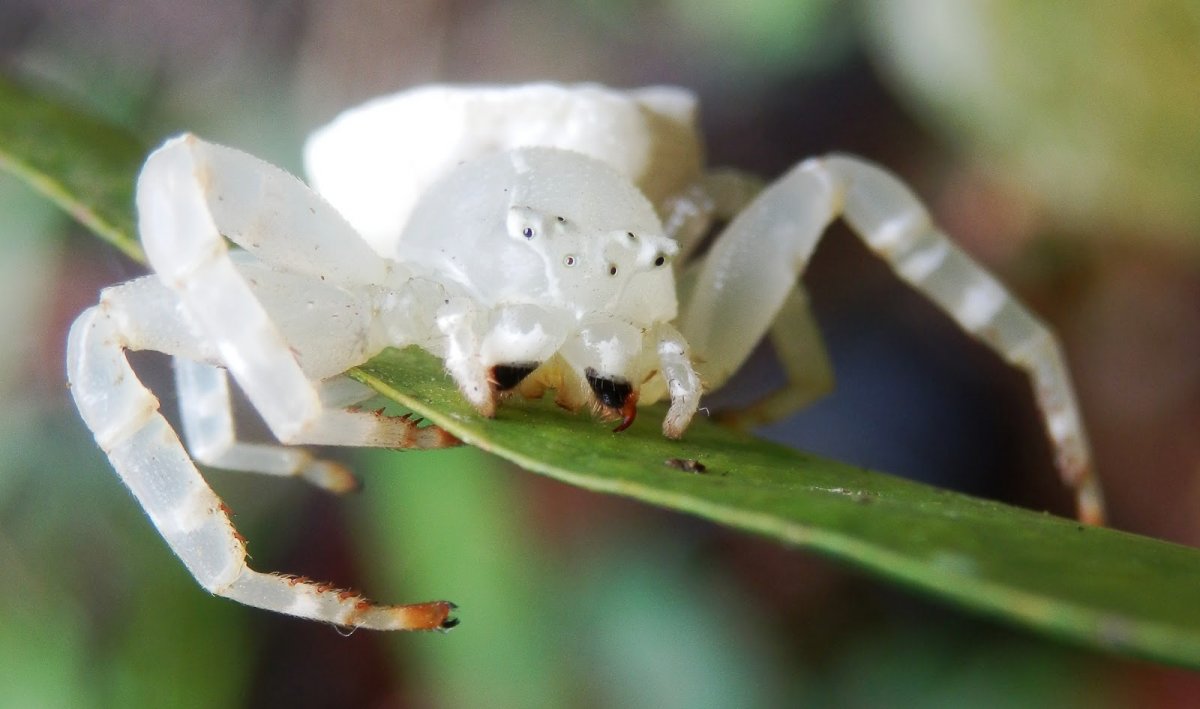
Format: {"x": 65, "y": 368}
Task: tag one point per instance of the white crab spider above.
{"x": 528, "y": 236}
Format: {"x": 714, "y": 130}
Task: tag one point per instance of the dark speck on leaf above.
{"x": 687, "y": 465}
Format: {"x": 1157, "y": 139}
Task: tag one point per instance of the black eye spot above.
{"x": 562, "y": 220}
{"x": 569, "y": 260}
{"x": 527, "y": 232}
{"x": 612, "y": 269}
{"x": 660, "y": 260}
{"x": 631, "y": 235}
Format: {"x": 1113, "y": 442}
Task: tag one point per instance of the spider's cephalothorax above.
{"x": 531, "y": 238}
{"x": 584, "y": 287}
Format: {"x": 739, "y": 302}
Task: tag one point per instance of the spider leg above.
{"x": 206, "y": 415}
{"x": 683, "y": 383}
{"x": 267, "y": 211}
{"x": 189, "y": 194}
{"x": 808, "y": 373}
{"x": 749, "y": 272}
{"x": 459, "y": 323}
{"x": 717, "y": 197}
{"x": 151, "y": 461}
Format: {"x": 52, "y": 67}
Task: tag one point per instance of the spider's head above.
{"x": 569, "y": 275}
{"x": 598, "y": 239}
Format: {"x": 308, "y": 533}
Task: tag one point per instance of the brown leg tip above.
{"x": 416, "y": 616}
{"x": 337, "y": 479}
{"x": 430, "y": 616}
{"x": 1092, "y": 515}
{"x": 1089, "y": 504}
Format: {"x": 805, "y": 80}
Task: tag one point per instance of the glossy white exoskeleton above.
{"x": 531, "y": 238}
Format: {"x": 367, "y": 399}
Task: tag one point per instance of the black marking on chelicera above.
{"x": 610, "y": 391}
{"x": 507, "y": 376}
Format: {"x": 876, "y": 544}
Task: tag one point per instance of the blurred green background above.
{"x": 1059, "y": 142}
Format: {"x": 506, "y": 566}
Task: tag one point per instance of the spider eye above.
{"x": 612, "y": 269}
{"x": 660, "y": 260}
{"x": 569, "y": 260}
{"x": 527, "y": 232}
{"x": 631, "y": 235}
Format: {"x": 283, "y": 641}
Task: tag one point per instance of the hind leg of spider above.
{"x": 800, "y": 349}
{"x": 207, "y": 425}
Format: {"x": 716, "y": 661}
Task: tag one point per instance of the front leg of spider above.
{"x": 750, "y": 271}
{"x": 201, "y": 305}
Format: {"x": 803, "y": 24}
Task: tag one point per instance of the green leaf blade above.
{"x": 1100, "y": 587}
{"x": 83, "y": 164}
